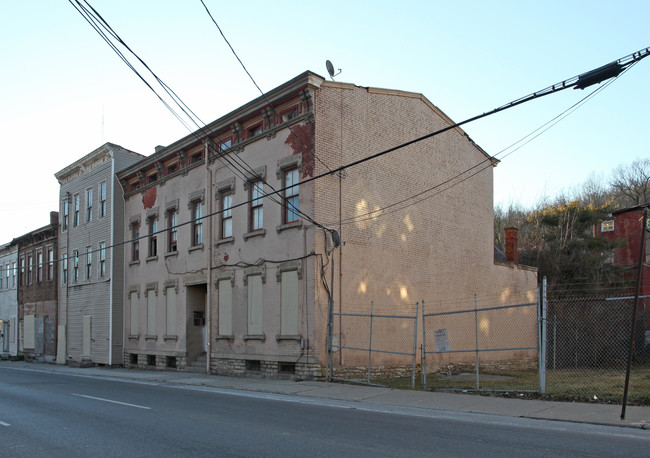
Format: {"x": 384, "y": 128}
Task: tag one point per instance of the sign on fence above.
{"x": 442, "y": 339}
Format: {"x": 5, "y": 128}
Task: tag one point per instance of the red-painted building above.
{"x": 627, "y": 224}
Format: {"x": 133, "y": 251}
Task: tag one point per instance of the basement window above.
{"x": 171, "y": 362}
{"x": 151, "y": 360}
{"x": 287, "y": 368}
{"x": 133, "y": 358}
{"x": 253, "y": 365}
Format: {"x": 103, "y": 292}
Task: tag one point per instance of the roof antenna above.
{"x": 330, "y": 69}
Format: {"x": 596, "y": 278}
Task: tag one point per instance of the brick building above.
{"x": 37, "y": 291}
{"x": 231, "y": 228}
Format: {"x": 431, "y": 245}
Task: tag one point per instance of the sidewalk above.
{"x": 599, "y": 414}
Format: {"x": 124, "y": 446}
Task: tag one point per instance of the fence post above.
{"x": 424, "y": 350}
{"x": 541, "y": 335}
{"x": 415, "y": 345}
{"x": 370, "y": 343}
{"x": 476, "y": 338}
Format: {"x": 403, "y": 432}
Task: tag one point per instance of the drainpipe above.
{"x": 208, "y": 305}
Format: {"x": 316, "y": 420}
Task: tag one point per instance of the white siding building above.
{"x": 8, "y": 300}
{"x": 90, "y": 322}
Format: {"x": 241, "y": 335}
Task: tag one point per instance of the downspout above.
{"x": 208, "y": 305}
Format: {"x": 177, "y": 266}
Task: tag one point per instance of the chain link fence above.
{"x": 587, "y": 346}
{"x": 480, "y": 347}
{"x": 375, "y": 343}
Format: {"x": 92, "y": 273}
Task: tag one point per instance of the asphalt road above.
{"x": 44, "y": 414}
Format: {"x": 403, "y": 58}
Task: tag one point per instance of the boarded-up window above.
{"x": 28, "y": 340}
{"x": 87, "y": 336}
{"x": 134, "y": 313}
{"x": 170, "y": 315}
{"x": 225, "y": 307}
{"x": 151, "y": 313}
{"x": 289, "y": 324}
{"x": 255, "y": 305}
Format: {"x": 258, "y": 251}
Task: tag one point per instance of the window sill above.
{"x": 283, "y": 227}
{"x": 260, "y": 337}
{"x": 195, "y": 248}
{"x": 224, "y": 337}
{"x": 152, "y": 259}
{"x": 257, "y": 233}
{"x": 134, "y": 263}
{"x": 287, "y": 337}
{"x": 150, "y": 337}
{"x": 171, "y": 254}
{"x": 132, "y": 337}
{"x": 224, "y": 241}
{"x": 174, "y": 338}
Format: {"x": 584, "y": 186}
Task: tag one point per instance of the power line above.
{"x": 97, "y": 22}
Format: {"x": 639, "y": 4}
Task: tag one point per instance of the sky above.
{"x": 64, "y": 92}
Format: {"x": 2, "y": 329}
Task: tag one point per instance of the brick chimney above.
{"x": 54, "y": 218}
{"x": 512, "y": 253}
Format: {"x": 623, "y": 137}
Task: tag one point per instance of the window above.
{"x": 2, "y": 276}
{"x": 289, "y": 115}
{"x": 255, "y": 130}
{"x": 607, "y": 226}
{"x": 77, "y": 204}
{"x": 197, "y": 223}
{"x": 255, "y": 305}
{"x": 102, "y": 200}
{"x": 64, "y": 271}
{"x": 257, "y": 210}
{"x": 8, "y": 273}
{"x": 102, "y": 260}
{"x": 50, "y": 264}
{"x": 196, "y": 157}
{"x": 135, "y": 244}
{"x": 172, "y": 233}
{"x": 66, "y": 211}
{"x": 22, "y": 271}
{"x": 226, "y": 215}
{"x": 289, "y": 303}
{"x": 171, "y": 169}
{"x": 39, "y": 266}
{"x": 225, "y": 145}
{"x": 151, "y": 313}
{"x": 152, "y": 178}
{"x": 30, "y": 269}
{"x": 291, "y": 195}
{"x": 89, "y": 205}
{"x": 170, "y": 309}
{"x": 225, "y": 307}
{"x": 75, "y": 267}
{"x": 13, "y": 276}
{"x": 134, "y": 313}
{"x": 152, "y": 222}
{"x": 89, "y": 262}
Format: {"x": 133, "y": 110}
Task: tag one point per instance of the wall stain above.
{"x": 149, "y": 198}
{"x": 302, "y": 141}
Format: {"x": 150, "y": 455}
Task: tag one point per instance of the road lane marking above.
{"x": 111, "y": 401}
{"x": 4, "y": 424}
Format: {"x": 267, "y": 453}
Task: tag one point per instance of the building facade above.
{"x": 8, "y": 300}
{"x": 230, "y": 261}
{"x": 91, "y": 279}
{"x": 37, "y": 292}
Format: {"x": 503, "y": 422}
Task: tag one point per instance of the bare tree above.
{"x": 631, "y": 183}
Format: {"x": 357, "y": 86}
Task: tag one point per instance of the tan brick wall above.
{"x": 440, "y": 249}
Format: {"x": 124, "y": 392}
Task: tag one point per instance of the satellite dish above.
{"x": 330, "y": 69}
